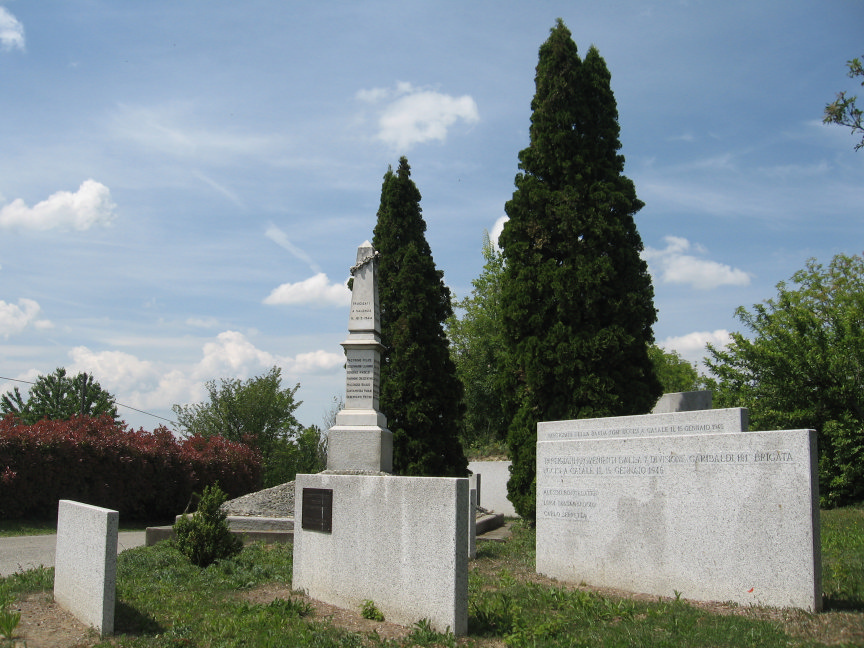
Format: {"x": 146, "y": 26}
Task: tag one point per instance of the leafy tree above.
{"x": 478, "y": 351}
{"x": 305, "y": 454}
{"x": 578, "y": 298}
{"x": 843, "y": 110}
{"x": 59, "y": 397}
{"x": 420, "y": 393}
{"x": 673, "y": 371}
{"x": 257, "y": 412}
{"x": 803, "y": 367}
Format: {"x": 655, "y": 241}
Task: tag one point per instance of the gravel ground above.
{"x": 275, "y": 502}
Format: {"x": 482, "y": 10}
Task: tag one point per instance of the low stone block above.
{"x": 85, "y": 563}
{"x": 401, "y": 542}
{"x": 673, "y": 423}
{"x": 725, "y": 517}
{"x": 683, "y": 402}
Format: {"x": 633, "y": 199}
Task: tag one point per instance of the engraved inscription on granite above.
{"x": 362, "y": 379}
{"x": 570, "y": 505}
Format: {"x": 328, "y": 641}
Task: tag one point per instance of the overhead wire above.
{"x": 134, "y": 409}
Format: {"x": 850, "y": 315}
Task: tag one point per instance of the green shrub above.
{"x": 205, "y": 537}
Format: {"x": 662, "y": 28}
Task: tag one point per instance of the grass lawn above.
{"x": 9, "y": 528}
{"x": 162, "y": 600}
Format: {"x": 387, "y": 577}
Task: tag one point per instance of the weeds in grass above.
{"x": 8, "y": 618}
{"x": 370, "y": 611}
{"x": 843, "y": 558}
{"x": 423, "y": 634}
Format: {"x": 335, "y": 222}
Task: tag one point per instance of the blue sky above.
{"x": 183, "y": 185}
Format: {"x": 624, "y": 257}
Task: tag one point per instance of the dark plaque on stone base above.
{"x": 317, "y": 510}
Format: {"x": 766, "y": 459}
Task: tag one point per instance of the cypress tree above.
{"x": 420, "y": 393}
{"x": 578, "y": 299}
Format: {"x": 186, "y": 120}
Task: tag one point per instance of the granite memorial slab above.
{"x": 710, "y": 513}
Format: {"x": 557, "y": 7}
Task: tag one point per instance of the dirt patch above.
{"x": 44, "y": 624}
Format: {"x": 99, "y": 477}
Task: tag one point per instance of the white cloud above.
{"x": 176, "y": 129}
{"x": 316, "y": 361}
{"x": 202, "y": 322}
{"x": 497, "y": 228}
{"x": 15, "y": 318}
{"x": 416, "y": 115}
{"x": 122, "y": 371}
{"x": 11, "y": 31}
{"x": 316, "y": 290}
{"x": 90, "y": 205}
{"x": 673, "y": 265}
{"x": 692, "y": 346}
{"x": 232, "y": 355}
{"x": 281, "y": 239}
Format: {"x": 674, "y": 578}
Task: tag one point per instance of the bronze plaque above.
{"x": 317, "y": 514}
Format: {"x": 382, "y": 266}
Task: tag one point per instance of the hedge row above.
{"x": 144, "y": 475}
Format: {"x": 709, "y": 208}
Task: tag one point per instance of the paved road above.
{"x": 26, "y": 552}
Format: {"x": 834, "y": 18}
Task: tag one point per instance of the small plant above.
{"x": 423, "y": 634}
{"x": 8, "y": 619}
{"x": 291, "y": 607}
{"x": 205, "y": 537}
{"x": 371, "y": 612}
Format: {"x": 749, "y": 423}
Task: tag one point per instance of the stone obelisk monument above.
{"x": 360, "y": 440}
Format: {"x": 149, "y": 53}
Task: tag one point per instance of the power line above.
{"x": 134, "y": 409}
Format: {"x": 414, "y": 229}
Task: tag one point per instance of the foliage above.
{"x": 578, "y": 298}
{"x": 370, "y": 611}
{"x": 205, "y": 537}
{"x": 843, "y": 557}
{"x": 420, "y": 393}
{"x": 59, "y": 397}
{"x": 257, "y": 412}
{"x": 674, "y": 372}
{"x": 305, "y": 454}
{"x": 8, "y": 618}
{"x": 804, "y": 368}
{"x": 478, "y": 351}
{"x": 423, "y": 634}
{"x": 843, "y": 110}
{"x": 145, "y": 475}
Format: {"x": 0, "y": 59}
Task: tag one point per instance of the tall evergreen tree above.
{"x": 578, "y": 299}
{"x": 420, "y": 394}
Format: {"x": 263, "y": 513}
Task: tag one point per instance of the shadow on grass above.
{"x": 830, "y": 604}
{"x": 128, "y": 620}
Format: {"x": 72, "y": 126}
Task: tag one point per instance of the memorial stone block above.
{"x": 85, "y": 563}
{"x": 655, "y": 504}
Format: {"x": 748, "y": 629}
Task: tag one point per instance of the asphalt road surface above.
{"x": 26, "y": 552}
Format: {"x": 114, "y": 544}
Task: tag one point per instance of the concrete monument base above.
{"x": 359, "y": 448}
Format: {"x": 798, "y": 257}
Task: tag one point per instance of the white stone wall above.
{"x": 493, "y": 487}
{"x": 401, "y": 542}
{"x": 725, "y": 516}
{"x": 85, "y": 563}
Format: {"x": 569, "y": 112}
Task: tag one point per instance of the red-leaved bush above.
{"x": 144, "y": 475}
